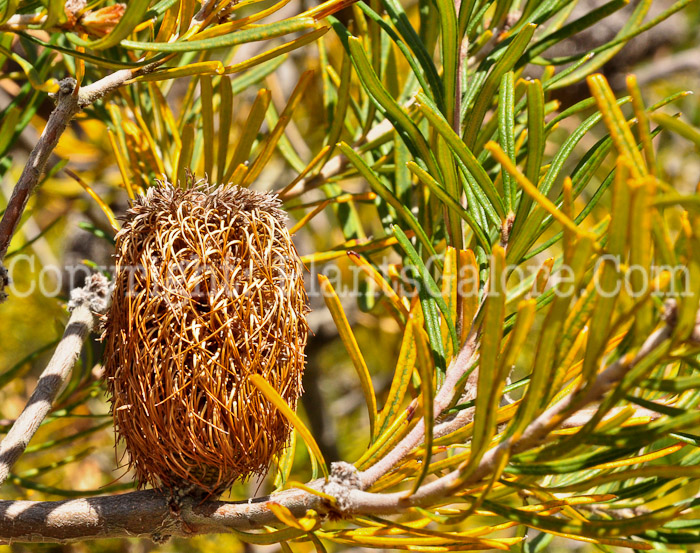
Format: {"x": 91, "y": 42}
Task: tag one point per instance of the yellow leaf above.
{"x": 273, "y": 397}
{"x": 348, "y": 338}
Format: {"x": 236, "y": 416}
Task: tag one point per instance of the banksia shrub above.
{"x": 208, "y": 291}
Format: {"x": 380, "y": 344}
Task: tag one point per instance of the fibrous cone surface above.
{"x": 208, "y": 290}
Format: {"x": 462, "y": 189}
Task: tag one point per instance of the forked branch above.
{"x": 151, "y": 513}
{"x": 70, "y": 100}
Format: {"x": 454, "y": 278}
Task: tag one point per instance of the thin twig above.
{"x": 443, "y": 398}
{"x": 534, "y": 435}
{"x": 66, "y": 108}
{"x": 151, "y": 513}
{"x": 85, "y": 302}
{"x": 70, "y": 101}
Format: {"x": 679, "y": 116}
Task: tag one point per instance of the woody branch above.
{"x": 70, "y": 100}
{"x": 153, "y": 513}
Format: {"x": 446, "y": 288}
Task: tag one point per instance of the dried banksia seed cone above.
{"x": 208, "y": 290}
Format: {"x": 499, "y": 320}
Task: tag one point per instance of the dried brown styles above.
{"x": 208, "y": 291}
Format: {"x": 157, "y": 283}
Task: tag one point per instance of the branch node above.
{"x": 506, "y": 228}
{"x": 344, "y": 478}
{"x": 65, "y": 86}
{"x": 95, "y": 294}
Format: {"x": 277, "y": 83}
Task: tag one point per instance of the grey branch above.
{"x": 204, "y": 11}
{"x": 70, "y": 100}
{"x": 443, "y": 398}
{"x": 536, "y": 432}
{"x": 66, "y": 108}
{"x": 151, "y": 513}
{"x": 139, "y": 514}
{"x": 85, "y": 302}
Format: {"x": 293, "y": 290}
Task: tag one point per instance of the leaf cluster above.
{"x": 478, "y": 226}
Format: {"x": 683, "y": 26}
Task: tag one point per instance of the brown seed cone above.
{"x": 208, "y": 290}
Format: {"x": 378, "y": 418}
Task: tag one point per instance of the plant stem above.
{"x": 70, "y": 101}
{"x": 85, "y": 302}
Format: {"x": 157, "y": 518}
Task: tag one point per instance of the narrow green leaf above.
{"x": 225, "y": 113}
{"x": 462, "y": 151}
{"x": 257, "y": 33}
{"x": 575, "y": 27}
{"x": 402, "y": 377}
{"x": 249, "y": 132}
{"x": 423, "y": 77}
{"x": 339, "y": 117}
{"x": 271, "y": 142}
{"x": 9, "y": 10}
{"x": 466, "y": 7}
{"x": 383, "y": 192}
{"x": 640, "y": 259}
{"x": 675, "y": 125}
{"x": 184, "y": 156}
{"x": 536, "y": 142}
{"x": 402, "y": 23}
{"x": 688, "y": 307}
{"x": 207, "y": 103}
{"x": 450, "y": 203}
{"x": 255, "y": 75}
{"x": 68, "y": 459}
{"x": 284, "y": 145}
{"x": 9, "y": 123}
{"x": 487, "y": 92}
{"x": 675, "y": 385}
{"x": 66, "y": 440}
{"x": 55, "y": 14}
{"x": 609, "y": 272}
{"x": 431, "y": 301}
{"x": 600, "y": 529}
{"x": 545, "y": 378}
{"x": 279, "y": 52}
{"x": 616, "y": 123}
{"x": 98, "y": 61}
{"x": 506, "y": 136}
{"x": 284, "y": 462}
{"x": 450, "y": 58}
{"x": 33, "y": 239}
{"x": 403, "y": 124}
{"x": 633, "y": 27}
{"x": 490, "y": 381}
{"x": 643, "y": 129}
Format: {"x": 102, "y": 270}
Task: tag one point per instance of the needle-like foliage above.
{"x": 517, "y": 360}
